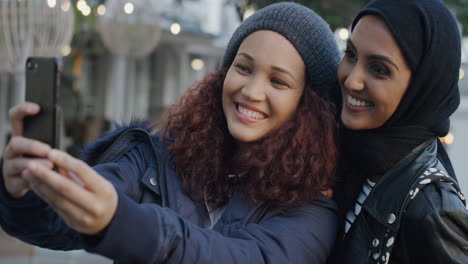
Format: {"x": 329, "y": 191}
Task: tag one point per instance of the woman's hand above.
{"x": 14, "y": 162}
{"x": 84, "y": 199}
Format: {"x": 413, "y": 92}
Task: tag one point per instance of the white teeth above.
{"x": 356, "y": 102}
{"x": 250, "y": 113}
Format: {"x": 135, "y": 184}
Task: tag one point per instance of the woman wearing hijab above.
{"x": 397, "y": 189}
{"x": 235, "y": 176}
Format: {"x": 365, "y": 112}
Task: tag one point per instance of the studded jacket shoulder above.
{"x": 422, "y": 225}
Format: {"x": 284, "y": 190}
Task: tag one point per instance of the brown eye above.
{"x": 277, "y": 81}
{"x": 379, "y": 69}
{"x": 243, "y": 68}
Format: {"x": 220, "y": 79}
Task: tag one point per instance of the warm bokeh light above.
{"x": 461, "y": 74}
{"x": 66, "y": 50}
{"x": 101, "y": 10}
{"x": 197, "y": 64}
{"x": 51, "y": 3}
{"x": 81, "y": 4}
{"x": 128, "y": 8}
{"x": 343, "y": 33}
{"x": 175, "y": 28}
{"x": 65, "y": 6}
{"x": 448, "y": 139}
{"x": 248, "y": 12}
{"x": 86, "y": 10}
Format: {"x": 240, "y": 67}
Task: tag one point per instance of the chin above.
{"x": 243, "y": 136}
{"x": 351, "y": 123}
{"x": 350, "y": 126}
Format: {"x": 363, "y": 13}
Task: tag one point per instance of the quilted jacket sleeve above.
{"x": 33, "y": 221}
{"x": 147, "y": 233}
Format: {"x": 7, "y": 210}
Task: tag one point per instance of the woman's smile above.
{"x": 249, "y": 114}
{"x": 263, "y": 86}
{"x": 373, "y": 75}
{"x": 356, "y": 104}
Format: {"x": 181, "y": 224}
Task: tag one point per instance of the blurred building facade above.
{"x": 195, "y": 33}
{"x": 194, "y": 36}
{"x": 94, "y": 91}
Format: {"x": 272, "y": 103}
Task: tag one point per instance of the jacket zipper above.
{"x": 161, "y": 185}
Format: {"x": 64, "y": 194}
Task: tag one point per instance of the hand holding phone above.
{"x": 18, "y": 149}
{"x": 43, "y": 88}
{"x": 30, "y": 122}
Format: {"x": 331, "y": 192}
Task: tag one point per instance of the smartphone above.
{"x": 43, "y": 88}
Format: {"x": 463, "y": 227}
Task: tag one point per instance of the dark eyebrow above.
{"x": 374, "y": 57}
{"x": 275, "y": 68}
{"x": 247, "y": 56}
{"x": 384, "y": 58}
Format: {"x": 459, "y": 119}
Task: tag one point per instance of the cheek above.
{"x": 227, "y": 83}
{"x": 226, "y": 93}
{"x": 229, "y": 89}
{"x": 392, "y": 98}
{"x": 232, "y": 82}
{"x": 286, "y": 105}
{"x": 343, "y": 71}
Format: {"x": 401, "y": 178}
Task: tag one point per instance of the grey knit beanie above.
{"x": 306, "y": 30}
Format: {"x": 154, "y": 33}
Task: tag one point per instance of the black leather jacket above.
{"x": 432, "y": 229}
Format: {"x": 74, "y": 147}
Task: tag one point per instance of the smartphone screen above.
{"x": 43, "y": 88}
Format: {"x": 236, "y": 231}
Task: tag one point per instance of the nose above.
{"x": 254, "y": 89}
{"x": 354, "y": 79}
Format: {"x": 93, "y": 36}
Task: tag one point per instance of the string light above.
{"x": 51, "y": 3}
{"x": 81, "y": 4}
{"x": 175, "y": 28}
{"x": 449, "y": 139}
{"x": 65, "y": 6}
{"x": 86, "y": 10}
{"x": 343, "y": 33}
{"x": 66, "y": 50}
{"x": 128, "y": 8}
{"x": 101, "y": 10}
{"x": 248, "y": 12}
{"x": 197, "y": 64}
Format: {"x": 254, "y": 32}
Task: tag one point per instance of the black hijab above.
{"x": 428, "y": 36}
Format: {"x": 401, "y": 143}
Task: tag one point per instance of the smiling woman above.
{"x": 398, "y": 194}
{"x": 261, "y": 92}
{"x": 237, "y": 174}
{"x": 373, "y": 75}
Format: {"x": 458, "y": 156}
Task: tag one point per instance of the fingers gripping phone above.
{"x": 43, "y": 88}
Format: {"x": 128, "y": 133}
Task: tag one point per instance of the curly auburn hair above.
{"x": 288, "y": 167}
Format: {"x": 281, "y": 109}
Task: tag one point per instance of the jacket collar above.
{"x": 92, "y": 152}
{"x": 385, "y": 201}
